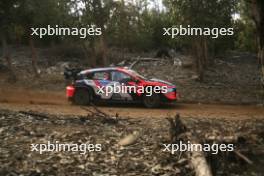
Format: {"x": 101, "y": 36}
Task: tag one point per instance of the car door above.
{"x": 121, "y": 82}
{"x": 101, "y": 81}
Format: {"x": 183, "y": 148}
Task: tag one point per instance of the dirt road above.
{"x": 56, "y": 103}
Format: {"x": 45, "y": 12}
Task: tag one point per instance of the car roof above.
{"x": 102, "y": 69}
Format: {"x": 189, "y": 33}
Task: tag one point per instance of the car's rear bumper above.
{"x": 70, "y": 92}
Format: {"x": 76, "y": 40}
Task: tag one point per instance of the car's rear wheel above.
{"x": 82, "y": 97}
{"x": 151, "y": 101}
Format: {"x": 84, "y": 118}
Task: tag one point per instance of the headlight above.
{"x": 170, "y": 89}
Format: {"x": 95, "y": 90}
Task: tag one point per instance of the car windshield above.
{"x": 136, "y": 74}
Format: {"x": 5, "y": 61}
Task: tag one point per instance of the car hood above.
{"x": 161, "y": 81}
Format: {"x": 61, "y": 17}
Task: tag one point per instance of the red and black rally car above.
{"x": 119, "y": 84}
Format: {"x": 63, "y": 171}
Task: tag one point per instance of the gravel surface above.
{"x": 142, "y": 157}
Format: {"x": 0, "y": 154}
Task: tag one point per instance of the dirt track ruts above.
{"x": 56, "y": 103}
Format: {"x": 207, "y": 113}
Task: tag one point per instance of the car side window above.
{"x": 119, "y": 76}
{"x": 88, "y": 76}
{"x": 101, "y": 76}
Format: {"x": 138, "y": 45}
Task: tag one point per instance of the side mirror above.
{"x": 137, "y": 81}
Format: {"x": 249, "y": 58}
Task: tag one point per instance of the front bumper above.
{"x": 171, "y": 96}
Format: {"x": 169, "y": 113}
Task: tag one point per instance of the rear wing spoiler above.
{"x": 71, "y": 74}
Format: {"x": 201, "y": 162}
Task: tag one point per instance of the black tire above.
{"x": 152, "y": 101}
{"x": 82, "y": 97}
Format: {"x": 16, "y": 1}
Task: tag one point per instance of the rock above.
{"x": 129, "y": 139}
{"x": 194, "y": 77}
{"x": 177, "y": 62}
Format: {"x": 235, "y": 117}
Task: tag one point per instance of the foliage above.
{"x": 130, "y": 24}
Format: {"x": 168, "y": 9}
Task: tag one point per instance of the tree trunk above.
{"x": 103, "y": 50}
{"x": 33, "y": 56}
{"x": 205, "y": 52}
{"x": 257, "y": 7}
{"x": 200, "y": 53}
{"x": 89, "y": 53}
{"x": 179, "y": 132}
{"x": 6, "y": 56}
{"x": 258, "y": 16}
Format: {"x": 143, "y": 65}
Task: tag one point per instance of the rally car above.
{"x": 119, "y": 84}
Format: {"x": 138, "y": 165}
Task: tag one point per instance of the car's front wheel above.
{"x": 82, "y": 97}
{"x": 151, "y": 101}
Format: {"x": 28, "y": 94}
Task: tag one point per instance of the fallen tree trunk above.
{"x": 137, "y": 60}
{"x": 179, "y": 131}
{"x": 199, "y": 163}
